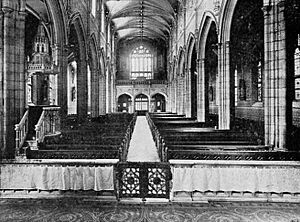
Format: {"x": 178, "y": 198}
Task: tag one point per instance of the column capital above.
{"x": 6, "y": 10}
{"x": 266, "y": 10}
{"x": 23, "y": 13}
{"x": 281, "y": 4}
{"x": 201, "y": 60}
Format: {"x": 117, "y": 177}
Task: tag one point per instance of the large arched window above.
{"x": 141, "y": 63}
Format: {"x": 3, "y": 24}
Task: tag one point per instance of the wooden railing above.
{"x": 141, "y": 82}
{"x": 21, "y": 132}
{"x": 48, "y": 124}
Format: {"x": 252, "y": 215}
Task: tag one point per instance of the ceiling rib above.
{"x": 148, "y": 19}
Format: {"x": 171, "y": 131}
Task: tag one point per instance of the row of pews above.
{"x": 103, "y": 137}
{"x": 178, "y": 137}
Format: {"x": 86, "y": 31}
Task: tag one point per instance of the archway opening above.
{"x": 124, "y": 103}
{"x": 292, "y": 15}
{"x": 141, "y": 103}
{"x": 72, "y": 71}
{"x": 31, "y": 29}
{"x": 193, "y": 70}
{"x": 211, "y": 74}
{"x": 158, "y": 103}
{"x": 38, "y": 55}
{"x": 246, "y": 67}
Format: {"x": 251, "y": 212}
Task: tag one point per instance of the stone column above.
{"x": 102, "y": 94}
{"x": 82, "y": 93}
{"x": 184, "y": 95}
{"x": 188, "y": 100}
{"x": 180, "y": 95}
{"x": 20, "y": 83}
{"x": 12, "y": 73}
{"x": 275, "y": 76}
{"x": 2, "y": 111}
{"x": 107, "y": 84}
{"x": 177, "y": 93}
{"x": 62, "y": 78}
{"x": 224, "y": 86}
{"x": 112, "y": 92}
{"x": 174, "y": 91}
{"x": 95, "y": 92}
{"x": 169, "y": 99}
{"x": 201, "y": 103}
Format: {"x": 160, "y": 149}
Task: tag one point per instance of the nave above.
{"x": 143, "y": 101}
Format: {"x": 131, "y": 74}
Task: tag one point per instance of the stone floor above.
{"x": 142, "y": 147}
{"x": 70, "y": 209}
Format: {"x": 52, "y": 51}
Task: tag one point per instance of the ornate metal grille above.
{"x": 144, "y": 180}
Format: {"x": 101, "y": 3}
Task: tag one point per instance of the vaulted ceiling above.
{"x": 142, "y": 19}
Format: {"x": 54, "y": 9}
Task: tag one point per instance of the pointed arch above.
{"x": 76, "y": 24}
{"x": 206, "y": 22}
{"x": 191, "y": 77}
{"x": 190, "y": 46}
{"x": 226, "y": 15}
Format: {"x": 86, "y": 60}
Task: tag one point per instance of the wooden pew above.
{"x": 105, "y": 137}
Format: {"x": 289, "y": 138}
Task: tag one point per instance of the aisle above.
{"x": 142, "y": 147}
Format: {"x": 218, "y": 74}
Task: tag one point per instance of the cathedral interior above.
{"x": 150, "y": 110}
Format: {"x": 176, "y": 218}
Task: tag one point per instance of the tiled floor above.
{"x": 56, "y": 210}
{"x": 142, "y": 147}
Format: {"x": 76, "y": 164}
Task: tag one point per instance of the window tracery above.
{"x": 141, "y": 63}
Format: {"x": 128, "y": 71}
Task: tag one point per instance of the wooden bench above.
{"x": 105, "y": 137}
{"x": 79, "y": 147}
{"x": 74, "y": 154}
{"x": 217, "y": 147}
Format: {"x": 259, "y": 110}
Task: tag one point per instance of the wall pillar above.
{"x": 82, "y": 92}
{"x": 224, "y": 85}
{"x": 188, "y": 96}
{"x": 95, "y": 93}
{"x": 113, "y": 103}
{"x": 181, "y": 95}
{"x": 201, "y": 103}
{"x": 62, "y": 78}
{"x": 108, "y": 90}
{"x": 102, "y": 94}
{"x": 174, "y": 92}
{"x": 169, "y": 102}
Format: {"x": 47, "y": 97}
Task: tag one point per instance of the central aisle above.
{"x": 142, "y": 147}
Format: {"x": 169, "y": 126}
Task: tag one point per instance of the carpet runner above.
{"x": 142, "y": 147}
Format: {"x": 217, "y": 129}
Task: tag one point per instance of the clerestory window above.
{"x": 141, "y": 63}
{"x": 94, "y": 7}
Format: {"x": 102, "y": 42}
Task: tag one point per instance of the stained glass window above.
{"x": 141, "y": 63}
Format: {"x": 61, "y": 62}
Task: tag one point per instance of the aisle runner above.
{"x": 142, "y": 147}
